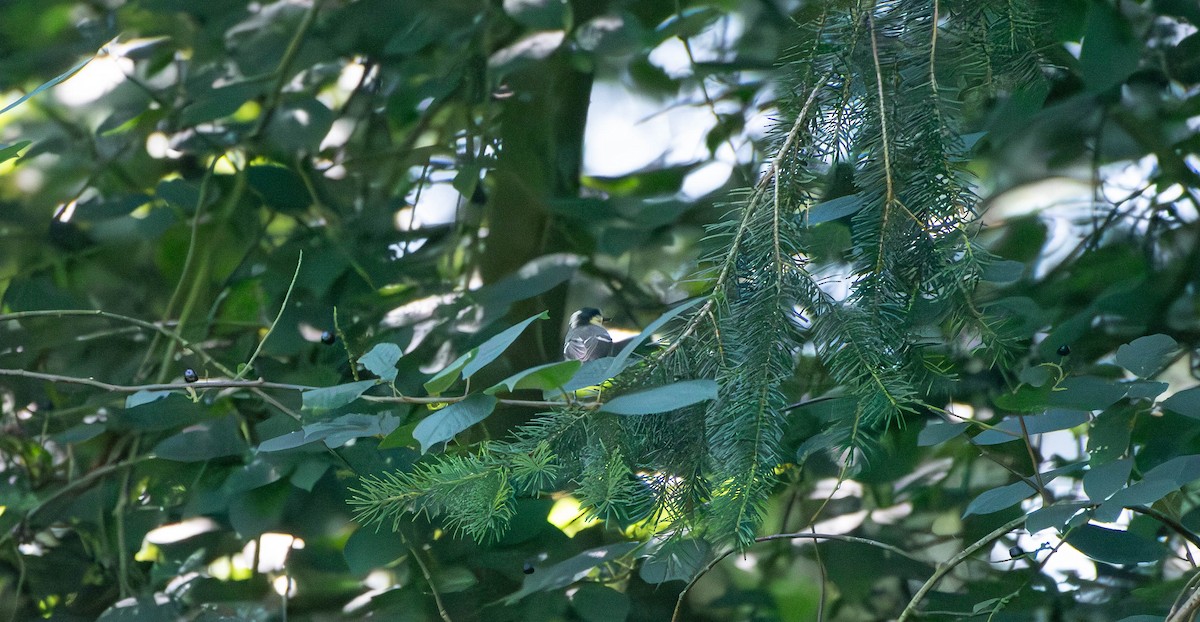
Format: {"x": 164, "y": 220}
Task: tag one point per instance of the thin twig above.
{"x": 159, "y": 327}
{"x": 887, "y": 154}
{"x": 282, "y": 307}
{"x": 792, "y": 536}
{"x": 945, "y": 568}
{"x": 437, "y": 597}
{"x": 263, "y": 384}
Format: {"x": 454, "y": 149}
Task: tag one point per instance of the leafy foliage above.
{"x": 278, "y": 286}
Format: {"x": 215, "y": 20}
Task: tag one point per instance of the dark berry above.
{"x": 1016, "y": 552}
{"x": 328, "y": 338}
{"x": 527, "y": 568}
{"x": 1064, "y": 350}
{"x": 189, "y": 375}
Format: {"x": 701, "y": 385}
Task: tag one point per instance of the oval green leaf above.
{"x": 444, "y": 424}
{"x": 662, "y": 399}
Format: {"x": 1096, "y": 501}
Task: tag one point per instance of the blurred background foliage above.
{"x": 427, "y": 174}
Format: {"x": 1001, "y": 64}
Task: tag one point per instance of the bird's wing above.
{"x": 587, "y": 343}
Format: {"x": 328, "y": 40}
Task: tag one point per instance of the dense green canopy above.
{"x": 905, "y": 295}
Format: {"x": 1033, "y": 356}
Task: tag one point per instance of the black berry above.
{"x": 1016, "y": 551}
{"x": 328, "y": 338}
{"x": 1064, "y": 350}
{"x": 527, "y": 568}
{"x": 189, "y": 375}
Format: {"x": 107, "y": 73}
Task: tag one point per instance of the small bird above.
{"x": 587, "y": 340}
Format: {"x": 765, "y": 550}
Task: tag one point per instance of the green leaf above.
{"x": 144, "y": 397}
{"x": 1113, "y": 546}
{"x": 1186, "y": 403}
{"x": 291, "y": 440}
{"x": 166, "y": 413}
{"x": 571, "y": 570}
{"x": 1181, "y": 470}
{"x": 545, "y": 377}
{"x": 1035, "y": 376}
{"x": 219, "y": 103}
{"x": 1146, "y": 356}
{"x": 618, "y": 361}
{"x": 381, "y": 360}
{"x": 455, "y": 579}
{"x": 1183, "y": 60}
{"x": 447, "y": 377}
{"x": 1000, "y": 498}
{"x": 676, "y": 560}
{"x": 368, "y": 549}
{"x": 1054, "y": 419}
{"x": 1145, "y": 389}
{"x": 329, "y": 398}
{"x": 597, "y": 603}
{"x": 833, "y": 209}
{"x": 1025, "y": 398}
{"x": 1005, "y": 271}
{"x": 280, "y": 188}
{"x": 539, "y": 14}
{"x": 591, "y": 374}
{"x": 203, "y": 441}
{"x": 662, "y": 399}
{"x": 335, "y": 433}
{"x": 9, "y": 152}
{"x": 1144, "y": 492}
{"x": 1100, "y": 482}
{"x": 491, "y": 349}
{"x": 1056, "y": 516}
{"x": 444, "y": 424}
{"x": 1087, "y": 393}
{"x": 938, "y": 432}
{"x": 1110, "y": 51}
{"x": 52, "y": 82}
{"x": 143, "y": 609}
{"x": 400, "y": 437}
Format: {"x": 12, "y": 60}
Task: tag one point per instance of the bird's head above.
{"x": 585, "y": 316}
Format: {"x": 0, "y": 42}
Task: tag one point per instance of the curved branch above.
{"x": 945, "y": 568}
{"x": 792, "y": 536}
